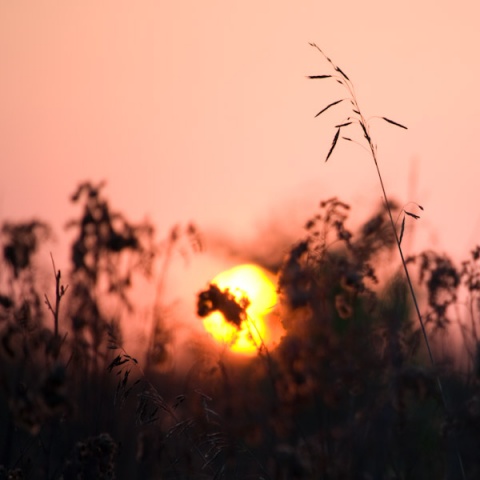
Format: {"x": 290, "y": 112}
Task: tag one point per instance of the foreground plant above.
{"x": 356, "y": 118}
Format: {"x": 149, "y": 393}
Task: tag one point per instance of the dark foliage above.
{"x": 214, "y": 299}
{"x": 346, "y": 394}
{"x": 349, "y": 392}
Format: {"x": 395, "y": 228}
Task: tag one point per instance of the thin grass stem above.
{"x": 344, "y": 80}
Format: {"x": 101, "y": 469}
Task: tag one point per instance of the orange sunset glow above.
{"x": 255, "y": 285}
{"x": 239, "y": 239}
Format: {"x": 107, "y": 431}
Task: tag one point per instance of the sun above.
{"x": 247, "y": 327}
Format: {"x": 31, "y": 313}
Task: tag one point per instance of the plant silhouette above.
{"x": 348, "y": 392}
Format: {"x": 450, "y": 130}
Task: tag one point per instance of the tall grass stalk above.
{"x": 358, "y": 118}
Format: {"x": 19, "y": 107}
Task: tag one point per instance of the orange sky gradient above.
{"x": 200, "y": 111}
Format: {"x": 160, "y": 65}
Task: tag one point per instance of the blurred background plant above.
{"x": 348, "y": 392}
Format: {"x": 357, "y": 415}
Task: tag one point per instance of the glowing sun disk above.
{"x": 254, "y": 283}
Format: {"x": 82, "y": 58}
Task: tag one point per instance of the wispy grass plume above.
{"x": 357, "y": 118}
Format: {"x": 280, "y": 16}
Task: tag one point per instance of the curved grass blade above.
{"x": 402, "y": 229}
{"x": 335, "y": 139}
{"x": 394, "y": 123}
{"x": 342, "y": 73}
{"x": 343, "y": 124}
{"x": 327, "y": 107}
{"x": 365, "y": 132}
{"x": 416, "y": 217}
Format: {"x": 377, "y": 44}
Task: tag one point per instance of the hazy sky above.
{"x": 201, "y": 110}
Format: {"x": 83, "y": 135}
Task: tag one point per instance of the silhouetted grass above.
{"x": 350, "y": 391}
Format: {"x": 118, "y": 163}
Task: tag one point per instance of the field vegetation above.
{"x": 367, "y": 381}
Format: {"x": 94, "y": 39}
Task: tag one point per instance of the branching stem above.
{"x": 60, "y": 291}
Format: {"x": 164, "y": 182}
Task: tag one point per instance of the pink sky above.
{"x": 201, "y": 110}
